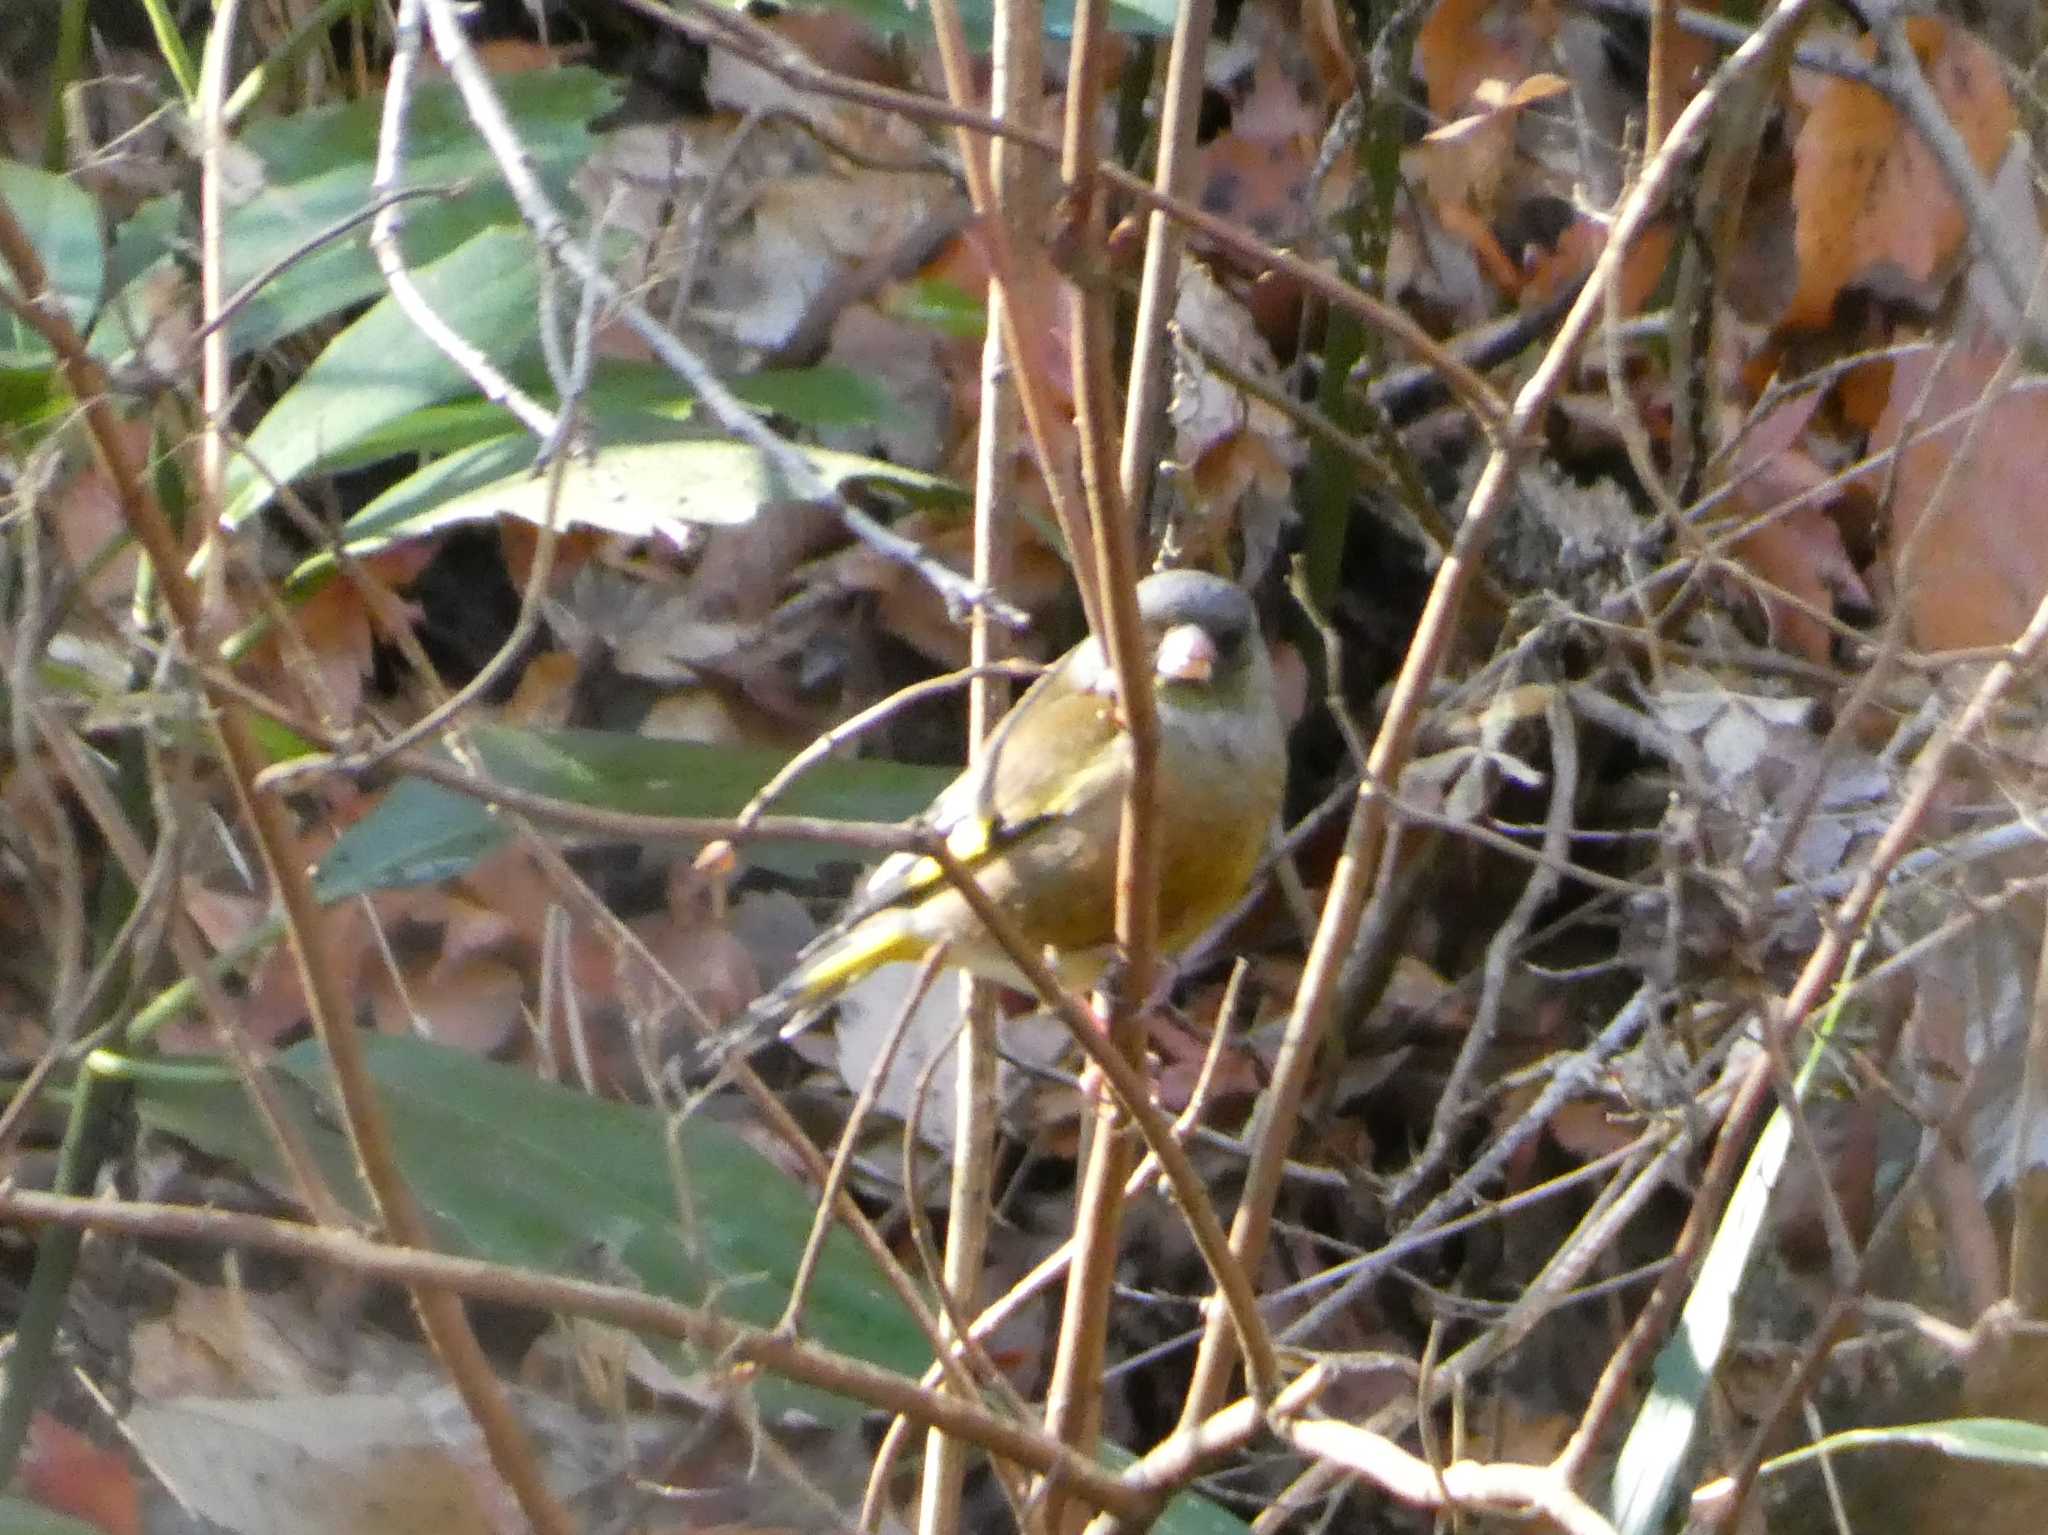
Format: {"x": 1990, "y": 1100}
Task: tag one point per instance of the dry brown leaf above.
{"x": 1800, "y": 558}
{"x": 67, "y": 1473}
{"x": 1463, "y": 163}
{"x": 905, "y": 360}
{"x": 1870, "y": 198}
{"x": 320, "y": 1465}
{"x": 221, "y": 1340}
{"x": 1589, "y": 1128}
{"x": 334, "y": 630}
{"x": 1257, "y": 173}
{"x": 1797, "y": 554}
{"x": 546, "y": 694}
{"x": 85, "y": 514}
{"x": 1332, "y": 52}
{"x": 468, "y": 1000}
{"x": 907, "y": 607}
{"x": 1546, "y": 273}
{"x": 1465, "y": 43}
{"x": 1967, "y": 553}
{"x": 519, "y": 541}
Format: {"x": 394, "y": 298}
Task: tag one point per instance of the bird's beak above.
{"x": 1186, "y": 654}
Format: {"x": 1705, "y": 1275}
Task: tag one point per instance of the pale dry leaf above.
{"x": 1463, "y": 163}
{"x": 319, "y": 1465}
{"x": 224, "y": 1340}
{"x": 2016, "y": 230}
{"x": 869, "y": 1010}
{"x": 903, "y": 360}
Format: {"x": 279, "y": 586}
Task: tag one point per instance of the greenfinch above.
{"x": 1037, "y": 818}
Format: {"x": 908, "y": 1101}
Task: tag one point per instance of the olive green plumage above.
{"x": 1037, "y": 820}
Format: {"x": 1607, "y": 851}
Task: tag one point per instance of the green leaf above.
{"x": 431, "y": 430}
{"x": 293, "y": 178}
{"x": 382, "y": 368}
{"x": 2000, "y": 1441}
{"x": 821, "y": 397}
{"x": 1187, "y": 1513}
{"x": 520, "y": 1171}
{"x": 942, "y": 305}
{"x": 62, "y": 225}
{"x": 423, "y": 832}
{"x": 29, "y": 397}
{"x": 419, "y": 833}
{"x": 141, "y": 242}
{"x": 649, "y": 477}
{"x": 1652, "y": 1455}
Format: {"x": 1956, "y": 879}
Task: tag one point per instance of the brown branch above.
{"x": 419, "y": 1269}
{"x": 708, "y": 21}
{"x": 441, "y": 1314}
{"x": 1074, "y": 1398}
{"x": 1358, "y": 866}
{"x": 1016, "y": 86}
{"x": 1135, "y": 1097}
{"x": 1025, "y": 316}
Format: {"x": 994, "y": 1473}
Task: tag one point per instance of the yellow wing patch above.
{"x": 853, "y": 957}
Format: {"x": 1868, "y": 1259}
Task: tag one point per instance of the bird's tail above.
{"x": 830, "y": 963}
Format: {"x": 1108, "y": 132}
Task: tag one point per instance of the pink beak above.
{"x": 1186, "y": 654}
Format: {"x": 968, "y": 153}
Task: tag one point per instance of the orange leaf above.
{"x": 1467, "y": 42}
{"x": 1868, "y": 193}
{"x": 1968, "y": 547}
{"x": 67, "y": 1473}
{"x": 1799, "y": 554}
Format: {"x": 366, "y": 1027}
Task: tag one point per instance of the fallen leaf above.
{"x": 1868, "y": 193}
{"x": 1465, "y": 43}
{"x": 1967, "y": 551}
{"x": 68, "y": 1474}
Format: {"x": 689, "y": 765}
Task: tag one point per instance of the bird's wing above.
{"x": 987, "y": 816}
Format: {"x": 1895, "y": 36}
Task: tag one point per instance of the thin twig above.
{"x": 1159, "y": 286}
{"x": 757, "y": 45}
{"x": 35, "y": 615}
{"x": 1359, "y": 865}
{"x": 1453, "y": 1107}
{"x": 1050, "y": 1268}
{"x": 1499, "y": 1487}
{"x": 1908, "y": 91}
{"x": 316, "y": 242}
{"x": 1569, "y": 1079}
{"x": 571, "y": 385}
{"x": 707, "y": 1330}
{"x": 1797, "y": 1381}
{"x": 789, "y": 462}
{"x": 441, "y": 1314}
{"x": 1026, "y": 313}
{"x": 188, "y": 947}
{"x": 1597, "y": 1232}
{"x": 213, "y": 350}
{"x": 1074, "y": 1397}
{"x": 849, "y": 1139}
{"x": 1016, "y": 87}
{"x": 385, "y": 229}
{"x": 1135, "y": 1097}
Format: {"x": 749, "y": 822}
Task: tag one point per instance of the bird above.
{"x": 1037, "y": 817}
